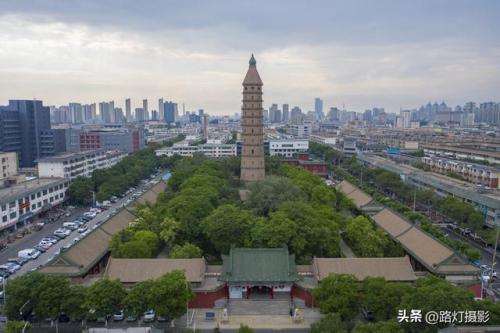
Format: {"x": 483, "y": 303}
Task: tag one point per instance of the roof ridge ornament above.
{"x": 252, "y": 61}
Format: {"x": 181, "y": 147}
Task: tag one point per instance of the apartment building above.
{"x": 287, "y": 148}
{"x": 209, "y": 149}
{"x": 21, "y": 202}
{"x": 473, "y": 173}
{"x": 72, "y": 165}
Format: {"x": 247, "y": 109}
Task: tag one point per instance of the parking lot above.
{"x": 73, "y": 236}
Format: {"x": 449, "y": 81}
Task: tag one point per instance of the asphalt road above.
{"x": 35, "y": 237}
{"x": 486, "y": 258}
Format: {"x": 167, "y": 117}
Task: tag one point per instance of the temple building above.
{"x": 252, "y": 126}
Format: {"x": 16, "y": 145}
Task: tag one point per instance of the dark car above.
{"x": 40, "y": 248}
{"x": 63, "y": 318}
{"x": 162, "y": 319}
{"x": 367, "y": 314}
{"x": 4, "y": 273}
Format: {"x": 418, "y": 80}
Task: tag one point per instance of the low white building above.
{"x": 302, "y": 130}
{"x": 208, "y": 149}
{"x": 72, "y": 165}
{"x": 326, "y": 140}
{"x": 22, "y": 201}
{"x": 287, "y": 148}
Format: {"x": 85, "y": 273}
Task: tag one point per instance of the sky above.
{"x": 357, "y": 54}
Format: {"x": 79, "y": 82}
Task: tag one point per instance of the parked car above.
{"x": 40, "y": 248}
{"x": 83, "y": 228}
{"x": 62, "y": 232}
{"x": 162, "y": 319}
{"x": 149, "y": 316}
{"x": 10, "y": 268}
{"x": 70, "y": 225}
{"x": 52, "y": 240}
{"x": 367, "y": 314}
{"x": 29, "y": 253}
{"x": 4, "y": 273}
{"x": 131, "y": 318}
{"x": 118, "y": 316}
{"x": 18, "y": 261}
{"x": 45, "y": 244}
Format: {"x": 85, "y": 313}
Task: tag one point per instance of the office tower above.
{"x": 119, "y": 118}
{"x": 140, "y": 116}
{"x": 406, "y": 116}
{"x": 296, "y": 115}
{"x": 106, "y": 111}
{"x": 272, "y": 113}
{"x": 154, "y": 115}
{"x": 252, "y": 150}
{"x": 318, "y": 108}
{"x": 128, "y": 110}
{"x": 160, "y": 109}
{"x": 169, "y": 112}
{"x": 76, "y": 113}
{"x": 205, "y": 127}
{"x": 87, "y": 112}
{"x": 93, "y": 110}
{"x": 145, "y": 108}
{"x": 286, "y": 113}
{"x": 200, "y": 113}
{"x": 21, "y": 124}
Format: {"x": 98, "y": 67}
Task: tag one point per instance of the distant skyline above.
{"x": 360, "y": 54}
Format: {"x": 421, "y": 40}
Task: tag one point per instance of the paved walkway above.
{"x": 346, "y": 250}
{"x": 259, "y": 322}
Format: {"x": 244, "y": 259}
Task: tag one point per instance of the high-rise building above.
{"x": 76, "y": 113}
{"x": 160, "y": 109}
{"x": 140, "y": 115}
{"x": 318, "y": 109}
{"x": 128, "y": 110}
{"x": 145, "y": 108}
{"x": 119, "y": 118}
{"x": 296, "y": 115}
{"x": 21, "y": 123}
{"x": 406, "y": 116}
{"x": 252, "y": 126}
{"x": 286, "y": 113}
{"x": 169, "y": 112}
{"x": 107, "y": 112}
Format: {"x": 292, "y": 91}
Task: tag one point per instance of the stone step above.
{"x": 259, "y": 307}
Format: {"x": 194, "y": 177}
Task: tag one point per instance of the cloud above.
{"x": 361, "y": 54}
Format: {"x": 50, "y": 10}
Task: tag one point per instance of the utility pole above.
{"x": 414, "y": 197}
{"x": 361, "y": 176}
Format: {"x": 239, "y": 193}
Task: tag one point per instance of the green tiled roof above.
{"x": 259, "y": 265}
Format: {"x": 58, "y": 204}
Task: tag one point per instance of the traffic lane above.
{"x": 486, "y": 256}
{"x": 55, "y": 249}
{"x": 35, "y": 237}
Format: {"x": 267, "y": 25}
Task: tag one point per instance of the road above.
{"x": 486, "y": 256}
{"x": 35, "y": 237}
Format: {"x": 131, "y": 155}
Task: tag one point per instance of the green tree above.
{"x": 338, "y": 293}
{"x": 80, "y": 191}
{"x": 331, "y": 323}
{"x": 435, "y": 294}
{"x": 150, "y": 239}
{"x": 105, "y": 297}
{"x": 73, "y": 304}
{"x": 383, "y": 298}
{"x": 380, "y": 327}
{"x": 43, "y": 293}
{"x": 364, "y": 239}
{"x": 323, "y": 195}
{"x": 316, "y": 224}
{"x": 228, "y": 225}
{"x": 245, "y": 329}
{"x": 169, "y": 229}
{"x": 133, "y": 249}
{"x": 170, "y": 293}
{"x": 138, "y": 299}
{"x": 14, "y": 326}
{"x": 266, "y": 195}
{"x": 277, "y": 231}
{"x": 187, "y": 250}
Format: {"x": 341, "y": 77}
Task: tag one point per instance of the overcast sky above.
{"x": 362, "y": 54}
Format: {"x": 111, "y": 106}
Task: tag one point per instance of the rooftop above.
{"x": 391, "y": 269}
{"x": 259, "y": 265}
{"x": 28, "y": 187}
{"x": 72, "y": 155}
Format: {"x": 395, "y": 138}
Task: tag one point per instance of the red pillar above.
{"x": 248, "y": 292}
{"x": 272, "y": 293}
{"x": 227, "y": 291}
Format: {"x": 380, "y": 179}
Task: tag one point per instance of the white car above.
{"x": 149, "y": 316}
{"x": 63, "y": 232}
{"x": 83, "y": 228}
{"x": 45, "y": 244}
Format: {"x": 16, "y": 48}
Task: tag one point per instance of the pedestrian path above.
{"x": 346, "y": 250}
